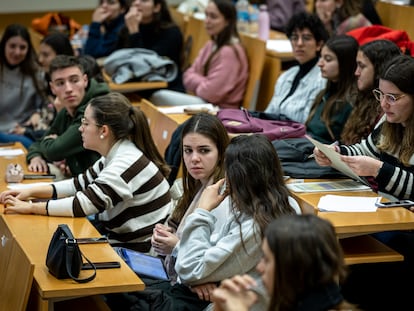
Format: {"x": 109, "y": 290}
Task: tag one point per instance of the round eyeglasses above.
{"x": 391, "y": 99}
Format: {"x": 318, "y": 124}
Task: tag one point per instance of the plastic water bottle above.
{"x": 242, "y": 7}
{"x": 264, "y": 23}
{"x": 254, "y": 20}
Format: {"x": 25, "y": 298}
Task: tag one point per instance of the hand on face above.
{"x": 100, "y": 14}
{"x": 133, "y": 19}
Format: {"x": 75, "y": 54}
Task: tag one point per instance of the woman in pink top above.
{"x": 219, "y": 73}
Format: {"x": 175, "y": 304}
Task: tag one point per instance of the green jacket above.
{"x": 68, "y": 145}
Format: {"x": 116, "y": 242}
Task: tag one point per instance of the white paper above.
{"x": 180, "y": 109}
{"x": 338, "y": 203}
{"x": 6, "y": 152}
{"x": 20, "y": 186}
{"x": 335, "y": 158}
{"x": 324, "y": 186}
{"x": 279, "y": 45}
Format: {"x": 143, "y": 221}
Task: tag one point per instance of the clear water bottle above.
{"x": 264, "y": 22}
{"x": 242, "y": 7}
{"x": 254, "y": 20}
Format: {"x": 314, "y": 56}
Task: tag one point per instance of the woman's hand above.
{"x": 321, "y": 158}
{"x": 163, "y": 240}
{"x": 133, "y": 19}
{"x": 13, "y": 205}
{"x": 363, "y": 165}
{"x": 204, "y": 291}
{"x": 211, "y": 198}
{"x": 19, "y": 194}
{"x": 235, "y": 294}
{"x": 100, "y": 15}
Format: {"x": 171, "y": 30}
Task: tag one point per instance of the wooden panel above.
{"x": 256, "y": 51}
{"x": 16, "y": 284}
{"x": 399, "y": 17}
{"x": 366, "y": 249}
{"x": 129, "y": 87}
{"x": 194, "y": 39}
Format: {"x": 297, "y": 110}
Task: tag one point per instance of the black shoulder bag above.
{"x": 64, "y": 257}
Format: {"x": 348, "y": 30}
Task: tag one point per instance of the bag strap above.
{"x": 71, "y": 244}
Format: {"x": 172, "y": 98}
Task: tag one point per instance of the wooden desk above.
{"x": 129, "y": 87}
{"x": 271, "y": 71}
{"x": 162, "y": 125}
{"x": 396, "y": 16}
{"x": 358, "y": 223}
{"x": 34, "y": 233}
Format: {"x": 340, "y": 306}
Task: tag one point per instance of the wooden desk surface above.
{"x": 128, "y": 87}
{"x": 34, "y": 233}
{"x": 358, "y": 223}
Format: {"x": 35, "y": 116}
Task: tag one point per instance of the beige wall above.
{"x": 20, "y": 6}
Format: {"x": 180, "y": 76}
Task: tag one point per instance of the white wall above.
{"x": 19, "y": 6}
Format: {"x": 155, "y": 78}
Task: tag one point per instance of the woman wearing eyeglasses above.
{"x": 387, "y": 153}
{"x": 125, "y": 189}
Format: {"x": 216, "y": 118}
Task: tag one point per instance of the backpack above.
{"x": 241, "y": 121}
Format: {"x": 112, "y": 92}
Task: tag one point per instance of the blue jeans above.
{"x": 7, "y": 138}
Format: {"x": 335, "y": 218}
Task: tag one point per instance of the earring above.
{"x": 101, "y": 137}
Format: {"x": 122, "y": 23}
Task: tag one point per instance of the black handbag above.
{"x": 64, "y": 257}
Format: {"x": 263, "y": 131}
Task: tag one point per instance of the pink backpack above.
{"x": 240, "y": 121}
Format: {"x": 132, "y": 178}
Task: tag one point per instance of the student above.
{"x": 258, "y": 195}
{"x": 62, "y": 141}
{"x": 107, "y": 21}
{"x": 204, "y": 140}
{"x": 297, "y": 88}
{"x": 341, "y": 16}
{"x": 386, "y": 154}
{"x": 306, "y": 277}
{"x": 125, "y": 188}
{"x": 21, "y": 89}
{"x": 281, "y": 11}
{"x": 371, "y": 59}
{"x": 220, "y": 72}
{"x": 333, "y": 105}
{"x": 50, "y": 46}
{"x": 149, "y": 25}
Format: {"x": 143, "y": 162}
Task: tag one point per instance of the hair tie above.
{"x": 131, "y": 110}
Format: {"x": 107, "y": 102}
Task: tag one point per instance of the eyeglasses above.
{"x": 86, "y": 123}
{"x": 305, "y": 38}
{"x": 391, "y": 99}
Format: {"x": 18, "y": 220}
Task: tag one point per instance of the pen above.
{"x": 335, "y": 143}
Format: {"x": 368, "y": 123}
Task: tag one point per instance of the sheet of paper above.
{"x": 180, "y": 109}
{"x": 279, "y": 45}
{"x": 8, "y": 152}
{"x": 324, "y": 186}
{"x": 335, "y": 158}
{"x": 338, "y": 203}
{"x": 20, "y": 186}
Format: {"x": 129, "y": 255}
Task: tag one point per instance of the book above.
{"x": 324, "y": 186}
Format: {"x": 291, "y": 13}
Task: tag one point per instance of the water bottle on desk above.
{"x": 242, "y": 7}
{"x": 254, "y": 20}
{"x": 264, "y": 23}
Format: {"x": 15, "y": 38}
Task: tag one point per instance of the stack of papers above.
{"x": 5, "y": 152}
{"x": 338, "y": 203}
{"x": 281, "y": 45}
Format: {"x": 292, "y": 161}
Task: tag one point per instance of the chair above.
{"x": 256, "y": 52}
{"x": 179, "y": 18}
{"x": 195, "y": 37}
{"x": 310, "y": 5}
{"x": 16, "y": 284}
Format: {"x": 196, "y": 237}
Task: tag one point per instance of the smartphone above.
{"x": 223, "y": 188}
{"x": 39, "y": 176}
{"x": 401, "y": 203}
{"x": 102, "y": 265}
{"x": 102, "y": 239}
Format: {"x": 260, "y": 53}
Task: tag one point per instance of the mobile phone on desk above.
{"x": 39, "y": 176}
{"x": 102, "y": 265}
{"x": 400, "y": 203}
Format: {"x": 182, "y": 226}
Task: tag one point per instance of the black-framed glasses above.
{"x": 391, "y": 99}
{"x": 86, "y": 123}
